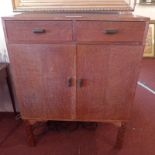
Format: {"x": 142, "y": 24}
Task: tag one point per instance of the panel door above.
{"x": 40, "y": 75}
{"x": 108, "y": 76}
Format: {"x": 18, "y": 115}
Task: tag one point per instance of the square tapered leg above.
{"x": 120, "y": 136}
{"x": 29, "y": 133}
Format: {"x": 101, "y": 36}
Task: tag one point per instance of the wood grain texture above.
{"x": 87, "y": 76}
{"x": 109, "y": 74}
{"x": 40, "y": 16}
{"x": 40, "y": 73}
{"x": 29, "y": 132}
{"x": 21, "y": 31}
{"x": 94, "y": 31}
{"x": 120, "y": 136}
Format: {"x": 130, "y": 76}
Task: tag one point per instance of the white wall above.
{"x": 5, "y": 9}
{"x": 145, "y": 10}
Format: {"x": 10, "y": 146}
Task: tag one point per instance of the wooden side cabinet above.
{"x": 75, "y": 69}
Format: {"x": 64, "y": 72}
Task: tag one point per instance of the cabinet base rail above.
{"x": 30, "y": 126}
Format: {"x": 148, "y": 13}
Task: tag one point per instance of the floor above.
{"x": 139, "y": 138}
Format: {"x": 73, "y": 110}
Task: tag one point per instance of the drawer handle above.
{"x": 110, "y": 31}
{"x": 80, "y": 83}
{"x": 69, "y": 82}
{"x": 38, "y": 30}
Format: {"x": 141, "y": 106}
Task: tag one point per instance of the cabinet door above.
{"x": 40, "y": 74}
{"x": 108, "y": 76}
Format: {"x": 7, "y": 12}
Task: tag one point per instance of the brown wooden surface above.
{"x": 76, "y": 16}
{"x": 109, "y": 72}
{"x": 86, "y": 76}
{"x": 109, "y": 76}
{"x": 29, "y": 133}
{"x": 94, "y": 31}
{"x": 21, "y": 31}
{"x": 120, "y": 136}
{"x": 40, "y": 74}
{"x": 92, "y": 69}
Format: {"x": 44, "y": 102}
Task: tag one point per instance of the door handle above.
{"x": 80, "y": 83}
{"x": 69, "y": 82}
{"x": 110, "y": 31}
{"x": 38, "y": 30}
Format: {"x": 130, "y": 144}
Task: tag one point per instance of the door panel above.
{"x": 40, "y": 74}
{"x": 91, "y": 68}
{"x": 110, "y": 74}
{"x": 123, "y": 72}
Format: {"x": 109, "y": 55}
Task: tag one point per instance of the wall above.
{"x": 145, "y": 10}
{"x": 6, "y": 9}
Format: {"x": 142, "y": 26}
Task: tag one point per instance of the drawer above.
{"x": 110, "y": 31}
{"x": 38, "y": 31}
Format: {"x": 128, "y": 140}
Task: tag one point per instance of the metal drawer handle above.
{"x": 110, "y": 31}
{"x": 80, "y": 83}
{"x": 69, "y": 82}
{"x": 38, "y": 30}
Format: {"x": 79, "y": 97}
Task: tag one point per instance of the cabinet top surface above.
{"x": 50, "y": 16}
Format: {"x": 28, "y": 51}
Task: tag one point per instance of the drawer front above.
{"x": 38, "y": 31}
{"x": 110, "y": 31}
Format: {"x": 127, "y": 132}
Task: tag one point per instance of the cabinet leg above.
{"x": 120, "y": 135}
{"x": 29, "y": 133}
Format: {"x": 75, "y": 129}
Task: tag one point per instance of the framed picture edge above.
{"x": 33, "y": 5}
{"x": 141, "y": 2}
{"x": 152, "y": 55}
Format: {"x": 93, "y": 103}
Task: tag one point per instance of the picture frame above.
{"x": 73, "y": 5}
{"x": 147, "y": 2}
{"x": 149, "y": 50}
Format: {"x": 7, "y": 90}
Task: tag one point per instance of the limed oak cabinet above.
{"x": 75, "y": 67}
